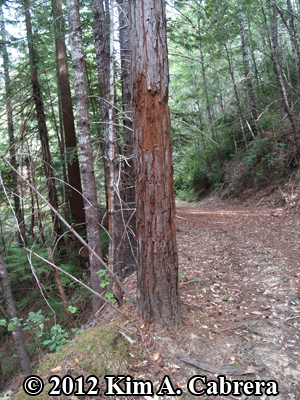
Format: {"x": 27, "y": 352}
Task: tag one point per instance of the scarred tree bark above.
{"x": 75, "y": 198}
{"x": 43, "y": 133}
{"x": 157, "y": 269}
{"x": 85, "y": 147}
{"x": 13, "y": 315}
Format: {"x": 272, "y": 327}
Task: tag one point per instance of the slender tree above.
{"x": 11, "y": 136}
{"x": 157, "y": 269}
{"x": 248, "y": 73}
{"x": 85, "y": 147}
{"x": 40, "y": 113}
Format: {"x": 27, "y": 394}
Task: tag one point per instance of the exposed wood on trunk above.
{"x": 85, "y": 148}
{"x": 75, "y": 197}
{"x": 157, "y": 270}
{"x": 13, "y": 316}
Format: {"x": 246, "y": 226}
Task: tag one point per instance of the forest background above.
{"x": 233, "y": 96}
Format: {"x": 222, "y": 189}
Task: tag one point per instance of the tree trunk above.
{"x": 275, "y": 56}
{"x": 11, "y": 137}
{"x": 85, "y": 147}
{"x": 43, "y": 133}
{"x": 128, "y": 251}
{"x": 157, "y": 269}
{"x": 13, "y": 315}
{"x": 121, "y": 255}
{"x": 75, "y": 197}
{"x": 208, "y": 110}
{"x": 248, "y": 74}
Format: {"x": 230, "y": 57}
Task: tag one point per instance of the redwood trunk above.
{"x": 157, "y": 269}
{"x": 75, "y": 197}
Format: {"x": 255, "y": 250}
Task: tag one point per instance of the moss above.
{"x": 100, "y": 351}
{"x": 42, "y": 396}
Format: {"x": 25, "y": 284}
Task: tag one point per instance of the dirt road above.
{"x": 239, "y": 282}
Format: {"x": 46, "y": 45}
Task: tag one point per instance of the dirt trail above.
{"x": 239, "y": 269}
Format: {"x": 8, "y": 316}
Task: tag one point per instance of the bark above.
{"x": 275, "y": 57}
{"x": 248, "y": 74}
{"x": 11, "y": 136}
{"x": 75, "y": 197}
{"x": 128, "y": 191}
{"x": 85, "y": 147}
{"x": 157, "y": 268}
{"x": 42, "y": 128}
{"x": 121, "y": 254}
{"x": 12, "y": 314}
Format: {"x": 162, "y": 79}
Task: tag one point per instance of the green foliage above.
{"x": 58, "y": 338}
{"x": 105, "y": 282}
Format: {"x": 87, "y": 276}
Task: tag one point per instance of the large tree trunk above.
{"x": 43, "y": 133}
{"x": 85, "y": 147}
{"x": 13, "y": 315}
{"x": 157, "y": 269}
{"x": 11, "y": 137}
{"x": 275, "y": 57}
{"x": 75, "y": 197}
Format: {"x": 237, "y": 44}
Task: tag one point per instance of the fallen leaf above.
{"x": 155, "y": 357}
{"x": 56, "y": 369}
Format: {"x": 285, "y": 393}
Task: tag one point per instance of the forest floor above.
{"x": 239, "y": 287}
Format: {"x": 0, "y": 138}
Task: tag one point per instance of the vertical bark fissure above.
{"x": 157, "y": 270}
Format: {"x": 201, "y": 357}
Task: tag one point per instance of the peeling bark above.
{"x": 157, "y": 269}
